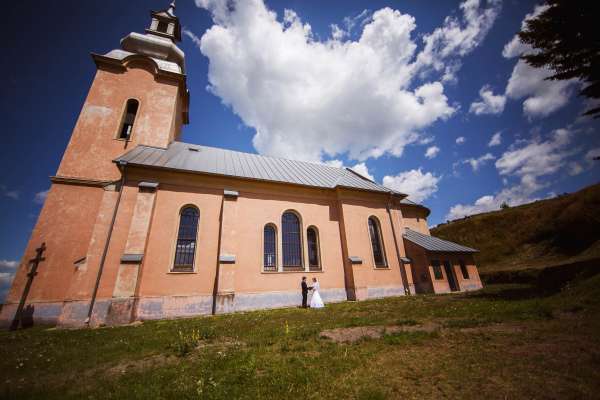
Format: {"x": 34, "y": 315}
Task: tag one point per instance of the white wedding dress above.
{"x": 315, "y": 300}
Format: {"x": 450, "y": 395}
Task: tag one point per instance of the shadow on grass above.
{"x": 511, "y": 292}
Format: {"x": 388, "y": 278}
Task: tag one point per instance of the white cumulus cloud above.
{"x": 536, "y": 157}
{"x": 496, "y": 139}
{"x": 592, "y": 154}
{"x": 513, "y": 196}
{"x": 478, "y": 162}
{"x": 460, "y": 140}
{"x": 7, "y": 273}
{"x": 432, "y": 152}
{"x": 315, "y": 99}
{"x": 489, "y": 104}
{"x": 417, "y": 185}
{"x": 458, "y": 37}
{"x": 361, "y": 169}
{"x": 542, "y": 97}
{"x": 527, "y": 161}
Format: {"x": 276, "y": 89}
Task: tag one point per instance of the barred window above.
{"x": 312, "y": 240}
{"x": 129, "y": 118}
{"x": 186, "y": 240}
{"x": 376, "y": 242}
{"x": 463, "y": 269}
{"x": 270, "y": 245}
{"x": 290, "y": 241}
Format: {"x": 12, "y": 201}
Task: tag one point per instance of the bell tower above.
{"x": 138, "y": 96}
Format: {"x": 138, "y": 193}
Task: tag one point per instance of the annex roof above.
{"x": 431, "y": 243}
{"x": 194, "y": 158}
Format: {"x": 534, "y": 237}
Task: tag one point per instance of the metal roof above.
{"x": 211, "y": 160}
{"x": 432, "y": 243}
{"x": 411, "y": 203}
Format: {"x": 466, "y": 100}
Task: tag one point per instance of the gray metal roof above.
{"x": 432, "y": 243}
{"x": 408, "y": 202}
{"x": 211, "y": 160}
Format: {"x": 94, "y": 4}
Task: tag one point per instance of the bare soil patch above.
{"x": 496, "y": 328}
{"x": 140, "y": 365}
{"x": 354, "y": 334}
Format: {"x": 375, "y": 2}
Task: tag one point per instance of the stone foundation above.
{"x": 123, "y": 311}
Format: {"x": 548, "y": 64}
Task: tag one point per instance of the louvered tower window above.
{"x": 129, "y": 118}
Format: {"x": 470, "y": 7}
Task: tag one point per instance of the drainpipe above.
{"x": 218, "y": 266}
{"x": 401, "y": 264}
{"x": 122, "y": 164}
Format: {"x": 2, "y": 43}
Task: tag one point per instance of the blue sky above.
{"x": 367, "y": 94}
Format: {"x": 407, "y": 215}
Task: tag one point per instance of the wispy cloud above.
{"x": 9, "y": 193}
{"x": 40, "y": 197}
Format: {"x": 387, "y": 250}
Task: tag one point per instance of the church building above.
{"x": 138, "y": 225}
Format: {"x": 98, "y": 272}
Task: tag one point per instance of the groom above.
{"x": 305, "y": 290}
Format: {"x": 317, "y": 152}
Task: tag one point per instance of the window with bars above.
{"x": 129, "y": 118}
{"x": 270, "y": 253}
{"x": 312, "y": 240}
{"x": 376, "y": 242}
{"x": 463, "y": 269}
{"x": 186, "y": 240}
{"x": 290, "y": 241}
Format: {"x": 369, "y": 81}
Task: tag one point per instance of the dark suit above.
{"x": 304, "y": 293}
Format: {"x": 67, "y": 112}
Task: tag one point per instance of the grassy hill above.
{"x": 505, "y": 341}
{"x": 547, "y": 232}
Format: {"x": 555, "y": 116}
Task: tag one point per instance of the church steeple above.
{"x": 159, "y": 41}
{"x": 139, "y": 96}
{"x": 165, "y": 24}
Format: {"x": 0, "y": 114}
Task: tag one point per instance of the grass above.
{"x": 507, "y": 341}
{"x": 548, "y": 232}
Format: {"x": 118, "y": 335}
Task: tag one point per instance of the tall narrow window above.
{"x": 312, "y": 240}
{"x": 270, "y": 246}
{"x": 463, "y": 269}
{"x": 186, "y": 240}
{"x": 129, "y": 118}
{"x": 376, "y": 242}
{"x": 290, "y": 241}
{"x": 437, "y": 269}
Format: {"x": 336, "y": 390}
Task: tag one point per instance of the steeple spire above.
{"x": 171, "y": 9}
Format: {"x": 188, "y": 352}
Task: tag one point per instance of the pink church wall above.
{"x": 94, "y": 142}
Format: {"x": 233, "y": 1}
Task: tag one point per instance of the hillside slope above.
{"x": 546, "y": 232}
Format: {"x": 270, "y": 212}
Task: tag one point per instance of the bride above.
{"x": 316, "y": 301}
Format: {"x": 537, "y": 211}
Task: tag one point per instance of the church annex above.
{"x": 138, "y": 225}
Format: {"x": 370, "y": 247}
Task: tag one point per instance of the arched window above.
{"x": 129, "y": 118}
{"x": 186, "y": 239}
{"x": 312, "y": 239}
{"x": 290, "y": 241}
{"x": 376, "y": 242}
{"x": 270, "y": 245}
